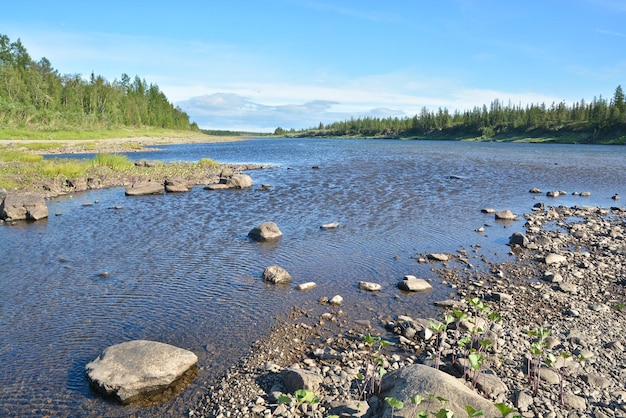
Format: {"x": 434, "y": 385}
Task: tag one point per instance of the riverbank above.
{"x": 22, "y": 169}
{"x": 562, "y": 295}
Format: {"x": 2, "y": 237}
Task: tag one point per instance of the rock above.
{"x": 296, "y": 379}
{"x": 217, "y": 186}
{"x": 518, "y": 239}
{"x": 596, "y": 381}
{"x": 146, "y": 163}
{"x": 239, "y": 181}
{"x": 416, "y": 379}
{"x": 131, "y": 370}
{"x": 555, "y": 259}
{"x": 369, "y": 286}
{"x": 553, "y": 193}
{"x": 490, "y": 384}
{"x": 523, "y": 400}
{"x": 276, "y": 275}
{"x": 176, "y": 185}
{"x": 336, "y": 300}
{"x": 505, "y": 215}
{"x": 30, "y": 207}
{"x": 438, "y": 257}
{"x": 307, "y": 286}
{"x": 267, "y": 231}
{"x": 413, "y": 284}
{"x": 535, "y": 190}
{"x": 350, "y": 408}
{"x": 575, "y": 402}
{"x": 331, "y": 225}
{"x": 488, "y": 210}
{"x": 144, "y": 188}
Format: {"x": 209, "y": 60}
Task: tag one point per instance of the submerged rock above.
{"x": 132, "y": 370}
{"x": 267, "y": 231}
{"x": 276, "y": 274}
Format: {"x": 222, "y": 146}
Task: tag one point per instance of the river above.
{"x": 181, "y": 269}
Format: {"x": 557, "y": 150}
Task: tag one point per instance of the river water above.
{"x": 181, "y": 269}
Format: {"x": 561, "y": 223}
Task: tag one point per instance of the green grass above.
{"x": 114, "y": 161}
{"x": 208, "y": 162}
{"x": 42, "y": 134}
{"x": 16, "y": 156}
{"x": 67, "y": 167}
{"x": 39, "y": 146}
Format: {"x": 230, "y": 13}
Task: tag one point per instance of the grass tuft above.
{"x": 208, "y": 162}
{"x": 69, "y": 168}
{"x": 114, "y": 161}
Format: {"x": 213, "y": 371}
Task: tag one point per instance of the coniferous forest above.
{"x": 597, "y": 121}
{"x": 33, "y": 95}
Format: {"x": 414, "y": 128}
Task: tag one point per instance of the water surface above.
{"x": 182, "y": 270}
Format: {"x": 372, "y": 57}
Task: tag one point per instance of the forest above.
{"x": 596, "y": 121}
{"x": 33, "y": 95}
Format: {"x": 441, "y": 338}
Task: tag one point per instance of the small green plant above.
{"x": 536, "y": 357}
{"x": 394, "y": 403}
{"x": 506, "y": 410}
{"x": 440, "y": 331}
{"x": 302, "y": 396}
{"x": 374, "y": 368}
{"x": 558, "y": 365}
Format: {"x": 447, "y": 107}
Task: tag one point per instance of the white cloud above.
{"x": 234, "y": 112}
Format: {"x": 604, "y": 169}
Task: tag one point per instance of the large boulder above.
{"x": 239, "y": 181}
{"x": 23, "y": 207}
{"x": 267, "y": 231}
{"x": 144, "y": 188}
{"x": 418, "y": 379}
{"x": 176, "y": 185}
{"x": 135, "y": 370}
{"x": 276, "y": 274}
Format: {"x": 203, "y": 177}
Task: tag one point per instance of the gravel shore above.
{"x": 564, "y": 287}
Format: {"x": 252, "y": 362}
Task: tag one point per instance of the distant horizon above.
{"x": 252, "y": 66}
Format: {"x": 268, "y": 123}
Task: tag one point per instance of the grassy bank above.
{"x": 45, "y": 135}
{"x": 26, "y": 172}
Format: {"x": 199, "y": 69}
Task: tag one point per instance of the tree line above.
{"x": 597, "y": 120}
{"x": 33, "y": 95}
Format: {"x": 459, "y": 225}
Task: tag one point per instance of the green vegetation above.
{"x": 208, "y": 162}
{"x": 600, "y": 121}
{"x": 35, "y": 97}
{"x": 114, "y": 161}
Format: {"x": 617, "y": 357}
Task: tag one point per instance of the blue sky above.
{"x": 255, "y": 65}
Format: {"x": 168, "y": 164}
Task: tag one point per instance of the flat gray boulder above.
{"x": 267, "y": 231}
{"x": 176, "y": 185}
{"x": 144, "y": 188}
{"x": 505, "y": 215}
{"x": 30, "y": 207}
{"x": 418, "y": 379}
{"x": 135, "y": 369}
{"x": 413, "y": 284}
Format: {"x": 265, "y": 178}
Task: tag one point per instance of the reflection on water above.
{"x": 182, "y": 270}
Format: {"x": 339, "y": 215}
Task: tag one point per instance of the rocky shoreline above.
{"x": 563, "y": 295}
